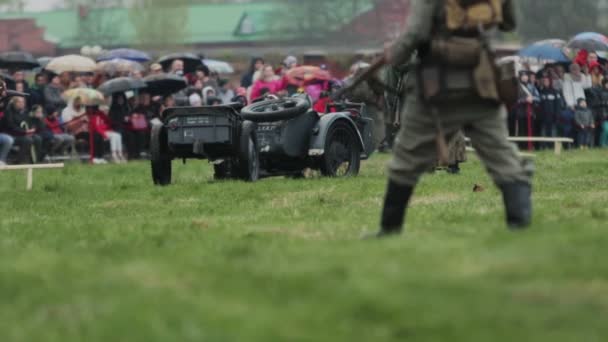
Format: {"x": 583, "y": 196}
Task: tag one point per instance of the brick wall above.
{"x": 24, "y": 35}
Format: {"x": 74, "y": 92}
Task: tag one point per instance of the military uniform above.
{"x": 415, "y": 149}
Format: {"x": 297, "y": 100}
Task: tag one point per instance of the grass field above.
{"x": 99, "y": 254}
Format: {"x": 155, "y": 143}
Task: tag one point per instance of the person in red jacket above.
{"x": 101, "y": 124}
{"x": 62, "y": 141}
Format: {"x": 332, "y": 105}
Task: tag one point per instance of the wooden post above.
{"x": 30, "y": 179}
{"x": 558, "y": 148}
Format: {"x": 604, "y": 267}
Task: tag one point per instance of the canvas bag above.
{"x": 451, "y": 51}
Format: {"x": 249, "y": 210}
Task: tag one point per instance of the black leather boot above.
{"x": 395, "y": 204}
{"x": 518, "y": 204}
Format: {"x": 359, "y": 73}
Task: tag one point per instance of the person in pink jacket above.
{"x": 268, "y": 83}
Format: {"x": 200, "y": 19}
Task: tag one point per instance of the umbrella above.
{"x": 547, "y": 50}
{"x": 304, "y": 75}
{"x": 128, "y": 54}
{"x": 116, "y": 66}
{"x": 191, "y": 61}
{"x": 164, "y": 84}
{"x": 589, "y": 41}
{"x": 71, "y": 63}
{"x": 220, "y": 67}
{"x": 18, "y": 60}
{"x": 121, "y": 84}
{"x": 44, "y": 61}
{"x": 89, "y": 97}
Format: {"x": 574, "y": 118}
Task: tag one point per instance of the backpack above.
{"x": 466, "y": 15}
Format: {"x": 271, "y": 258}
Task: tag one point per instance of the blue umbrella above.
{"x": 128, "y": 54}
{"x": 546, "y": 50}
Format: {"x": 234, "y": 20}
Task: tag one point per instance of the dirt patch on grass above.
{"x": 436, "y": 199}
{"x": 288, "y": 200}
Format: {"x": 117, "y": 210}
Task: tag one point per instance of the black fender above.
{"x": 319, "y": 134}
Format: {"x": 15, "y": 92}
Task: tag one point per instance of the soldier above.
{"x": 371, "y": 93}
{"x": 455, "y": 88}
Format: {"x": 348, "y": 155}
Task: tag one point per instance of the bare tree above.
{"x": 159, "y": 23}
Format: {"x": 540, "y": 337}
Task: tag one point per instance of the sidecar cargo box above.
{"x": 206, "y": 125}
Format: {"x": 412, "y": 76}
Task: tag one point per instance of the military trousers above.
{"x": 415, "y": 149}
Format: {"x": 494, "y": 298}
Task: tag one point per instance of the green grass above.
{"x": 99, "y": 254}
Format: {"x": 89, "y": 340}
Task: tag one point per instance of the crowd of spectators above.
{"x": 45, "y": 124}
{"x": 572, "y": 104}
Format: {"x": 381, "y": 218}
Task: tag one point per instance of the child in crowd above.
{"x": 36, "y": 122}
{"x": 101, "y": 124}
{"x": 585, "y": 124}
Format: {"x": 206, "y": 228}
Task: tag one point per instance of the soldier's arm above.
{"x": 418, "y": 31}
{"x": 509, "y": 21}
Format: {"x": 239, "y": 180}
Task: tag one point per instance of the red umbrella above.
{"x": 304, "y": 75}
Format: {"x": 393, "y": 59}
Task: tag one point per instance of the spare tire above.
{"x": 276, "y": 110}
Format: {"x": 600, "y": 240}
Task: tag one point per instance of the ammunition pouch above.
{"x": 507, "y": 83}
{"x": 458, "y": 68}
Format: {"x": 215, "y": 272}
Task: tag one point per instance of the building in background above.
{"x": 236, "y": 27}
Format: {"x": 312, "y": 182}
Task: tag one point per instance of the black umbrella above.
{"x": 120, "y": 85}
{"x": 18, "y": 60}
{"x": 191, "y": 61}
{"x": 164, "y": 84}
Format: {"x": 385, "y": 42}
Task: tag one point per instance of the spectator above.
{"x": 551, "y": 105}
{"x": 88, "y": 80}
{"x": 119, "y": 112}
{"x": 136, "y": 133}
{"x": 604, "y": 134}
{"x": 240, "y": 97}
{"x": 156, "y": 69}
{"x": 37, "y": 122}
{"x": 268, "y": 80}
{"x": 195, "y": 100}
{"x": 574, "y": 85}
{"x": 37, "y": 90}
{"x": 289, "y": 63}
{"x": 146, "y": 106}
{"x": 225, "y": 93}
{"x": 214, "y": 101}
{"x": 596, "y": 74}
{"x": 168, "y": 102}
{"x": 65, "y": 79}
{"x": 6, "y": 143}
{"x": 557, "y": 77}
{"x": 602, "y": 116}
{"x": 15, "y": 122}
{"x": 585, "y": 124}
{"x": 53, "y": 92}
{"x": 208, "y": 92}
{"x": 257, "y": 64}
{"x": 22, "y": 88}
{"x": 204, "y": 75}
{"x": 525, "y": 115}
{"x": 177, "y": 67}
{"x": 73, "y": 111}
{"x": 19, "y": 77}
{"x": 592, "y": 58}
{"x": 62, "y": 141}
{"x": 101, "y": 124}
